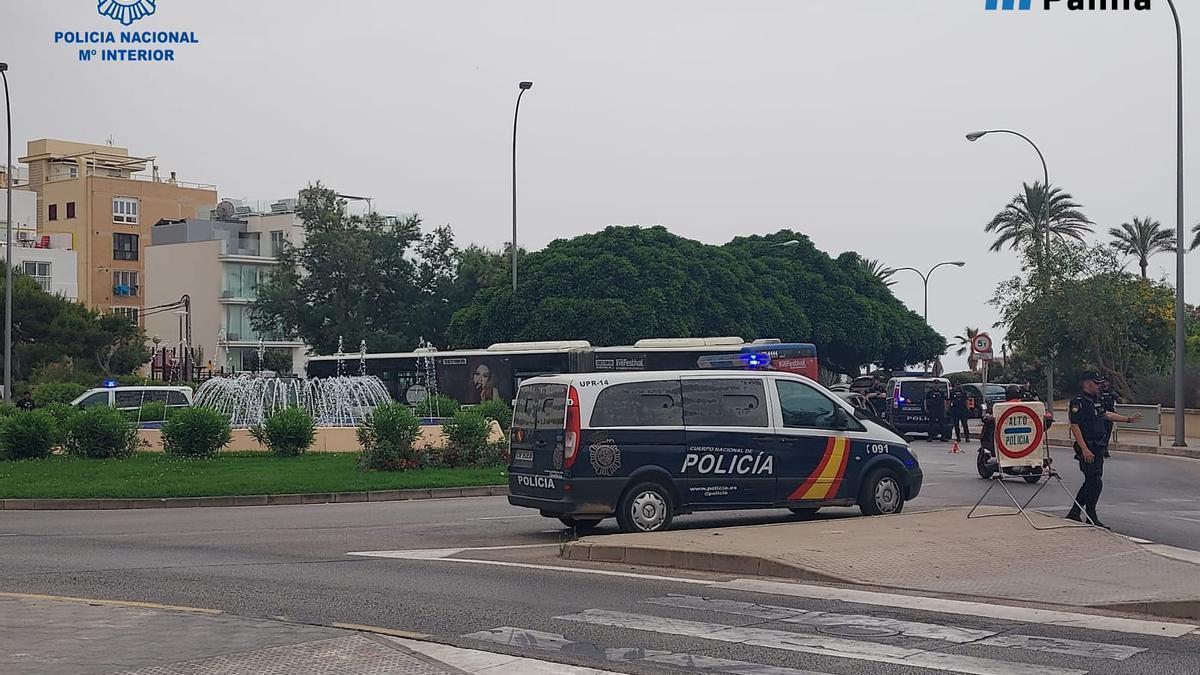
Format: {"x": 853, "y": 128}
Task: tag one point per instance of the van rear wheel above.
{"x": 882, "y": 493}
{"x": 646, "y": 507}
{"x": 580, "y": 524}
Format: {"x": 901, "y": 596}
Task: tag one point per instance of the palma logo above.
{"x": 1072, "y": 5}
{"x": 125, "y": 11}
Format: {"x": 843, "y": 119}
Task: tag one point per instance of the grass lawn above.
{"x": 151, "y": 474}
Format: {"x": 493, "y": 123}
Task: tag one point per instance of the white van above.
{"x": 132, "y": 398}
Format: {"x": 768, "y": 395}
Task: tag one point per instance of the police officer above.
{"x": 1089, "y": 428}
{"x": 1109, "y": 399}
{"x": 878, "y": 398}
{"x": 935, "y": 410}
{"x": 960, "y": 413}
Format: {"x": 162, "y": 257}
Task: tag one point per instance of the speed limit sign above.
{"x": 982, "y": 344}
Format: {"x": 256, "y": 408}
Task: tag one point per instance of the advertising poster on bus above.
{"x": 475, "y": 379}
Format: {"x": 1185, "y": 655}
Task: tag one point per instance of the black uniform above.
{"x": 960, "y": 413}
{"x": 1088, "y": 412}
{"x": 935, "y": 409}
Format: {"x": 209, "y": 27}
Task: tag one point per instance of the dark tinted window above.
{"x": 176, "y": 398}
{"x": 732, "y": 402}
{"x": 132, "y": 398}
{"x": 804, "y": 407}
{"x": 541, "y": 405}
{"x": 96, "y": 399}
{"x": 639, "y": 404}
{"x": 155, "y": 395}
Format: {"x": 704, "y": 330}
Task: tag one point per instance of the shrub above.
{"x": 497, "y": 410}
{"x": 466, "y": 435}
{"x": 7, "y": 409}
{"x": 196, "y": 432}
{"x": 62, "y": 414}
{"x": 154, "y": 411}
{"x": 438, "y": 405}
{"x": 288, "y": 432}
{"x": 28, "y": 435}
{"x": 56, "y": 392}
{"x": 387, "y": 437}
{"x": 100, "y": 433}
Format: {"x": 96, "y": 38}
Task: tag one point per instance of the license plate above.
{"x": 524, "y": 456}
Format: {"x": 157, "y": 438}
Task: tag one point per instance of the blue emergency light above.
{"x": 110, "y": 384}
{"x": 743, "y": 361}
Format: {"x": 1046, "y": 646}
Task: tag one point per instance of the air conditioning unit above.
{"x": 243, "y": 211}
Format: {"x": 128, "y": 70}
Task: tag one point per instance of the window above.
{"x": 639, "y": 404}
{"x": 241, "y": 281}
{"x": 176, "y": 398}
{"x": 125, "y": 210}
{"x": 95, "y": 400}
{"x": 70, "y": 210}
{"x": 732, "y": 402}
{"x": 125, "y": 246}
{"x": 131, "y": 398}
{"x": 130, "y": 313}
{"x": 276, "y": 242}
{"x": 806, "y": 408}
{"x": 73, "y": 172}
{"x": 125, "y": 282}
{"x": 52, "y": 212}
{"x": 541, "y": 406}
{"x": 39, "y": 272}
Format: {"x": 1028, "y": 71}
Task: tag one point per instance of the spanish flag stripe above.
{"x": 808, "y": 484}
{"x": 830, "y": 469}
{"x": 841, "y": 473}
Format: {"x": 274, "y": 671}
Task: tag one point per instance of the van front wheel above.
{"x": 646, "y": 507}
{"x": 882, "y": 494}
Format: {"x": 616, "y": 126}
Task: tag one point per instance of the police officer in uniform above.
{"x": 935, "y": 410}
{"x": 1089, "y": 428}
{"x": 960, "y": 413}
{"x": 1109, "y": 399}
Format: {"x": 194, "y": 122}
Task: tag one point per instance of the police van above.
{"x": 650, "y": 445}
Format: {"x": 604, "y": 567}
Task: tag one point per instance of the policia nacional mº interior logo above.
{"x": 125, "y": 11}
{"x": 605, "y": 457}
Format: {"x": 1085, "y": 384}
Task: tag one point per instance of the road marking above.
{"x": 438, "y": 553}
{"x": 1035, "y": 643}
{"x": 809, "y": 618}
{"x": 475, "y": 661}
{"x": 822, "y": 645}
{"x": 1007, "y": 612}
{"x": 533, "y": 639}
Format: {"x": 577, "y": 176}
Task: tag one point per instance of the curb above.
{"x": 1187, "y": 453}
{"x": 700, "y": 561}
{"x": 250, "y": 500}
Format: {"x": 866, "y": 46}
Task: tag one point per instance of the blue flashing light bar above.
{"x": 742, "y": 361}
{"x": 109, "y": 384}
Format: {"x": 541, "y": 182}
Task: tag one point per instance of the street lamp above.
{"x": 976, "y": 135}
{"x": 8, "y": 242}
{"x": 524, "y": 86}
{"x": 925, "y": 278}
{"x": 1180, "y": 337}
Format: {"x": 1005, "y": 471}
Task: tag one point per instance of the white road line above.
{"x": 809, "y": 618}
{"x": 1007, "y": 612}
{"x": 1094, "y": 650}
{"x": 533, "y": 639}
{"x": 822, "y": 645}
{"x": 438, "y": 553}
{"x": 576, "y": 570}
{"x": 474, "y": 661}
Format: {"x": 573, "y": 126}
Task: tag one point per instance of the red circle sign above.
{"x": 982, "y": 343}
{"x": 1037, "y": 432}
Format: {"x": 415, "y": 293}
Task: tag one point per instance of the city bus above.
{"x": 473, "y": 376}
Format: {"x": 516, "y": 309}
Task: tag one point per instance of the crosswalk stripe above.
{"x": 811, "y": 644}
{"x": 810, "y": 618}
{"x": 533, "y": 639}
{"x": 944, "y": 606}
{"x": 907, "y": 628}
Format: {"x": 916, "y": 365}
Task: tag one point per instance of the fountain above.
{"x": 247, "y": 400}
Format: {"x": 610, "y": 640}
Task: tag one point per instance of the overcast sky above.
{"x": 843, "y": 120}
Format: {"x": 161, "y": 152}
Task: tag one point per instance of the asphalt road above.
{"x": 292, "y": 562}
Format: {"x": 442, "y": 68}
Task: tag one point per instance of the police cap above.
{"x": 1091, "y": 375}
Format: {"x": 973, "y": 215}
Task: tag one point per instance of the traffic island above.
{"x": 934, "y": 551}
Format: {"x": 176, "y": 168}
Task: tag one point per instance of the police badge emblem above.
{"x": 125, "y": 11}
{"x": 605, "y": 457}
{"x": 557, "y": 459}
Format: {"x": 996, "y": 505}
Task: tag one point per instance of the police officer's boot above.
{"x": 1095, "y": 520}
{"x": 1073, "y": 514}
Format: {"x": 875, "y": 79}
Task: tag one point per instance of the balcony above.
{"x": 122, "y": 254}
{"x": 243, "y": 248}
{"x": 125, "y": 290}
{"x": 47, "y": 283}
{"x": 108, "y": 173}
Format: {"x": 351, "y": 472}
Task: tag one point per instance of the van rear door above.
{"x": 536, "y": 440}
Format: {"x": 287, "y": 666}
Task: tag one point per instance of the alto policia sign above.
{"x": 1020, "y": 430}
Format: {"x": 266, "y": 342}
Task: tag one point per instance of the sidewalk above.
{"x": 937, "y": 551}
{"x": 43, "y": 635}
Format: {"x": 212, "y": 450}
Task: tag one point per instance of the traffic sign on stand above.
{"x": 1020, "y": 430}
{"x": 982, "y": 344}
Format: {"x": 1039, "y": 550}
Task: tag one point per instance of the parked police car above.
{"x": 647, "y": 446}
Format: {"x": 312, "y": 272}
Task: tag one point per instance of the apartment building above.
{"x": 48, "y": 260}
{"x": 101, "y": 196}
{"x": 219, "y": 262}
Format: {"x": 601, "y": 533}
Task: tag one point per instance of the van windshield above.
{"x": 541, "y": 406}
{"x": 913, "y": 393}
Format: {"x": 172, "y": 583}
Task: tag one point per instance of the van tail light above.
{"x": 571, "y": 439}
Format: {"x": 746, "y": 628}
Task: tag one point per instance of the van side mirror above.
{"x": 841, "y": 421}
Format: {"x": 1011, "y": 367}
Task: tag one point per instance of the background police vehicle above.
{"x": 647, "y": 446}
{"x": 906, "y": 402}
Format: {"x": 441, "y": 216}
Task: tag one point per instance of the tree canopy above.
{"x": 627, "y": 283}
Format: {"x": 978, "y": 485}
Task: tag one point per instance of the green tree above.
{"x": 963, "y": 344}
{"x": 880, "y": 271}
{"x": 1021, "y": 225}
{"x": 627, "y": 283}
{"x": 1143, "y": 238}
{"x": 373, "y": 278}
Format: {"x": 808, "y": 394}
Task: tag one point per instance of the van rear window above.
{"x": 724, "y": 403}
{"x": 541, "y": 406}
{"x": 639, "y": 404}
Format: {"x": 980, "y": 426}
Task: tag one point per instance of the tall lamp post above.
{"x": 1180, "y": 337}
{"x": 925, "y": 278}
{"x": 525, "y": 86}
{"x": 8, "y": 242}
{"x": 974, "y": 136}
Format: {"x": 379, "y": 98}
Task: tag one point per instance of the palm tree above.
{"x": 1021, "y": 225}
{"x": 877, "y": 270}
{"x": 1196, "y": 239}
{"x": 1143, "y": 238}
{"x": 963, "y": 342}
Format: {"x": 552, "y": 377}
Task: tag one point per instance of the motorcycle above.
{"x": 987, "y": 465}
